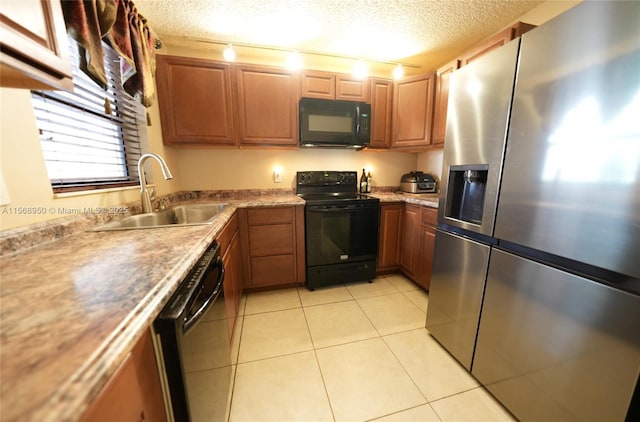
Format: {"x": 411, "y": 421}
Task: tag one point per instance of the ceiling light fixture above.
{"x": 398, "y": 72}
{"x": 360, "y": 70}
{"x": 232, "y": 54}
{"x": 228, "y": 53}
{"x": 294, "y": 61}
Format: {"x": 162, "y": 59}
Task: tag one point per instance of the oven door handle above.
{"x": 337, "y": 208}
{"x": 191, "y": 321}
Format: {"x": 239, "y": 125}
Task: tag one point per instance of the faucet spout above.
{"x": 144, "y": 193}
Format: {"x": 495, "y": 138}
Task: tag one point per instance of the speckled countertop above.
{"x": 71, "y": 309}
{"x": 425, "y": 199}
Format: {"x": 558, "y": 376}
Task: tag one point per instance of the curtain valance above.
{"x": 117, "y": 22}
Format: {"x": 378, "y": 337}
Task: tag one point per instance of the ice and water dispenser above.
{"x": 466, "y": 193}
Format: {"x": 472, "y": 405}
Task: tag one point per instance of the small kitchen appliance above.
{"x": 418, "y": 182}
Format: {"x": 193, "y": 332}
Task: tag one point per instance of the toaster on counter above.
{"x": 418, "y": 182}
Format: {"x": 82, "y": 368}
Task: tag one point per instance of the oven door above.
{"x": 341, "y": 233}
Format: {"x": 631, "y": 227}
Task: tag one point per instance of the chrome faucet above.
{"x": 144, "y": 193}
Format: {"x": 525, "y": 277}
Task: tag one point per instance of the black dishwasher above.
{"x": 193, "y": 342}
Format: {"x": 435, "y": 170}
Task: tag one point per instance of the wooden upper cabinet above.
{"x": 34, "y": 51}
{"x": 315, "y": 84}
{"x": 413, "y": 111}
{"x": 350, "y": 89}
{"x": 332, "y": 86}
{"x": 194, "y": 97}
{"x": 498, "y": 40}
{"x": 267, "y": 100}
{"x": 381, "y": 105}
{"x": 442, "y": 101}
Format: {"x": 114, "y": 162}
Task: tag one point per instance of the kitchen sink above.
{"x": 175, "y": 216}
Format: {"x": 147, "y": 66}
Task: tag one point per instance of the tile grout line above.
{"x": 315, "y": 355}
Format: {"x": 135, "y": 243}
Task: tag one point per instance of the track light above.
{"x": 228, "y": 53}
{"x": 398, "y": 72}
{"x": 360, "y": 70}
{"x": 294, "y": 61}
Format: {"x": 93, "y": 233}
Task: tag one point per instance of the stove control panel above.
{"x": 327, "y": 178}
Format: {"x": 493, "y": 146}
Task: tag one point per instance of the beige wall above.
{"x": 253, "y": 169}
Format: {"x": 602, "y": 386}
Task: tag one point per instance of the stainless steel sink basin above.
{"x": 175, "y": 216}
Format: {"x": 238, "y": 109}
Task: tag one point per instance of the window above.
{"x": 84, "y": 146}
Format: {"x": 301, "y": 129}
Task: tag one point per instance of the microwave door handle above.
{"x": 357, "y": 120}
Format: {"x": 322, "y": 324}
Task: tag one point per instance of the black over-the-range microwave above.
{"x": 334, "y": 123}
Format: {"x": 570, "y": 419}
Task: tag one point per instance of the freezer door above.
{"x": 571, "y": 182}
{"x": 555, "y": 346}
{"x": 455, "y": 294}
{"x": 477, "y": 117}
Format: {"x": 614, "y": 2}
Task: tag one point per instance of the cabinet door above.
{"x": 498, "y": 40}
{"x": 411, "y": 235}
{"x": 318, "y": 85}
{"x": 381, "y": 103}
{"x": 133, "y": 393}
{"x": 390, "y": 230}
{"x": 194, "y": 98}
{"x": 267, "y": 101}
{"x": 413, "y": 111}
{"x": 442, "y": 101}
{"x": 34, "y": 48}
{"x": 427, "y": 246}
{"x": 232, "y": 282}
{"x": 350, "y": 89}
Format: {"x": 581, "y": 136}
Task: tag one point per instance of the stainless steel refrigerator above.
{"x": 536, "y": 280}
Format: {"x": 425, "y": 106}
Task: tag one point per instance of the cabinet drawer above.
{"x": 273, "y": 270}
{"x": 275, "y": 239}
{"x": 429, "y": 216}
{"x": 269, "y": 216}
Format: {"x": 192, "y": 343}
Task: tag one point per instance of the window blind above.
{"x": 84, "y": 146}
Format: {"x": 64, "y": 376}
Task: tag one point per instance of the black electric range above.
{"x": 341, "y": 228}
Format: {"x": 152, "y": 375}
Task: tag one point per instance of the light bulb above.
{"x": 398, "y": 72}
{"x": 228, "y": 53}
{"x": 360, "y": 70}
{"x": 294, "y": 61}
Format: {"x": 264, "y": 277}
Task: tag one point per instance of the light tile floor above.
{"x": 354, "y": 352}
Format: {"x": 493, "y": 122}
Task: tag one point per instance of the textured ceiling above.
{"x": 420, "y": 32}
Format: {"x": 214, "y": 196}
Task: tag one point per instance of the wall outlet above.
{"x": 277, "y": 176}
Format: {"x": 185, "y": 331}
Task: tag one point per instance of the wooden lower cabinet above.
{"x": 410, "y": 250}
{"x": 428, "y": 223}
{"x": 273, "y": 240}
{"x": 391, "y": 216}
{"x": 231, "y": 252}
{"x": 418, "y": 240}
{"x": 134, "y": 392}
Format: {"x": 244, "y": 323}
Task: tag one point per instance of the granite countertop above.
{"x": 73, "y": 308}
{"x": 424, "y": 199}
